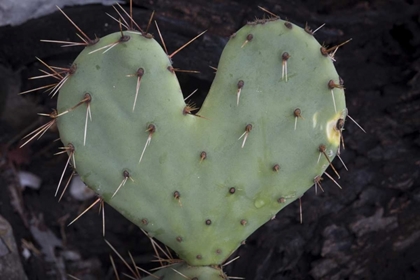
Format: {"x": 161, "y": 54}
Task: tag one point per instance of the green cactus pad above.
{"x": 205, "y": 182}
{"x": 183, "y": 271}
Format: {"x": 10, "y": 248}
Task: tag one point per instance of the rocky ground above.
{"x": 368, "y": 230}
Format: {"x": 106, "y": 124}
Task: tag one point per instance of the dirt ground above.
{"x": 368, "y": 230}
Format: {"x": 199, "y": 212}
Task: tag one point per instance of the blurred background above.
{"x": 368, "y": 230}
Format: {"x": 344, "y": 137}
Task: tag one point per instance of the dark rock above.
{"x": 10, "y": 265}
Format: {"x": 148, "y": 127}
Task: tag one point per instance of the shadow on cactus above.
{"x": 200, "y": 183}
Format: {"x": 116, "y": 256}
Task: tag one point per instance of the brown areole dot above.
{"x": 199, "y": 257}
{"x": 208, "y": 222}
{"x": 72, "y": 69}
{"x": 249, "y": 38}
{"x": 124, "y": 38}
{"x": 332, "y": 85}
{"x": 179, "y": 239}
{"x": 218, "y": 251}
{"x": 144, "y": 222}
{"x": 324, "y": 51}
{"x": 126, "y": 175}
{"x": 177, "y": 194}
{"x": 171, "y": 69}
{"x": 70, "y": 147}
{"x": 93, "y": 42}
{"x": 151, "y": 128}
{"x": 203, "y": 155}
{"x": 288, "y": 25}
{"x": 244, "y": 135}
{"x": 243, "y": 222}
{"x": 297, "y": 113}
{"x": 87, "y": 98}
{"x": 232, "y": 190}
{"x": 284, "y": 57}
{"x": 140, "y": 72}
{"x": 248, "y": 127}
{"x": 281, "y": 200}
{"x": 276, "y": 167}
{"x": 240, "y": 85}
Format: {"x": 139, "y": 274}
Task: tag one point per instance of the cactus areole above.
{"x": 201, "y": 184}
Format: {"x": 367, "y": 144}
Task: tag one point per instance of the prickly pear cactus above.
{"x": 201, "y": 184}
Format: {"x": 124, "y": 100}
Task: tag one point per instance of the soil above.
{"x": 368, "y": 230}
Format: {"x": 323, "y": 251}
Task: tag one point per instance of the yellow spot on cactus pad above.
{"x": 333, "y": 134}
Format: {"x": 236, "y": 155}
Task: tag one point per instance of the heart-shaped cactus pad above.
{"x": 202, "y": 183}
